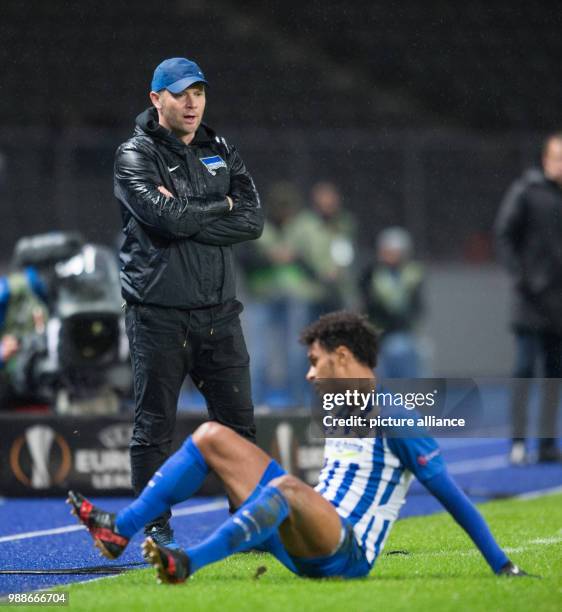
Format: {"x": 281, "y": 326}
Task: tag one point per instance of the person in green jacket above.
{"x": 281, "y": 291}
{"x": 325, "y": 235}
{"x": 391, "y": 287}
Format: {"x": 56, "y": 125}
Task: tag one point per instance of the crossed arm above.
{"x": 246, "y": 219}
{"x": 237, "y": 217}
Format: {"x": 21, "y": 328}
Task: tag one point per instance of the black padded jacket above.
{"x": 177, "y": 252}
{"x": 529, "y": 237}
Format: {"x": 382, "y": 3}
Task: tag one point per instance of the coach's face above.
{"x": 181, "y": 113}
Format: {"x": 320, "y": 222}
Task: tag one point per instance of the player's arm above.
{"x": 246, "y": 220}
{"x": 136, "y": 183}
{"x": 445, "y": 489}
{"x": 423, "y": 458}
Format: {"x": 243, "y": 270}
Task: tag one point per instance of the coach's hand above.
{"x": 163, "y": 190}
{"x": 169, "y": 194}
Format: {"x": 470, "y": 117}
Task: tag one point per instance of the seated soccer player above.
{"x": 338, "y": 528}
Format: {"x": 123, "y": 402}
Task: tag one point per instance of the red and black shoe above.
{"x": 172, "y": 565}
{"x": 100, "y": 524}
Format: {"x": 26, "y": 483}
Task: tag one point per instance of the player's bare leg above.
{"x": 313, "y": 527}
{"x": 236, "y": 461}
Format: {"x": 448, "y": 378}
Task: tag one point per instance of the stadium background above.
{"x": 422, "y": 113}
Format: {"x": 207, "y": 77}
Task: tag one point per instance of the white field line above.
{"x": 208, "y": 507}
{"x": 539, "y": 493}
{"x": 42, "y": 532}
{"x": 529, "y": 545}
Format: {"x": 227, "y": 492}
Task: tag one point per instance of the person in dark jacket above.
{"x": 186, "y": 197}
{"x": 529, "y": 236}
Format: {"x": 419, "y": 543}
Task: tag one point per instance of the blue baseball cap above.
{"x": 175, "y": 74}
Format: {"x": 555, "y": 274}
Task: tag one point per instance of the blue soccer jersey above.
{"x": 366, "y": 480}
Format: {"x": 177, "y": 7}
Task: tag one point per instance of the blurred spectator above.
{"x": 325, "y": 236}
{"x": 23, "y": 312}
{"x": 529, "y": 236}
{"x": 281, "y": 290}
{"x": 391, "y": 287}
{"x": 300, "y": 268}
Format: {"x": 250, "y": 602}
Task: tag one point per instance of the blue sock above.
{"x": 252, "y": 524}
{"x": 176, "y": 480}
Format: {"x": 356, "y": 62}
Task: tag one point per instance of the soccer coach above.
{"x": 186, "y": 198}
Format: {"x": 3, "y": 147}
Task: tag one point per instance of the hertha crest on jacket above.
{"x": 213, "y": 163}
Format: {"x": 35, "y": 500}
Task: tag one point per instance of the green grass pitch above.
{"x": 443, "y": 571}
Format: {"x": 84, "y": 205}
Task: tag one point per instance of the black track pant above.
{"x": 166, "y": 345}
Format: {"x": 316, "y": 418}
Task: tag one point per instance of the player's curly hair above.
{"x": 343, "y": 328}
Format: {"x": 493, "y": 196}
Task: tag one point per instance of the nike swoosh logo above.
{"x": 174, "y": 168}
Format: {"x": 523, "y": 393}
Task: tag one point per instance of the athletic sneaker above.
{"x": 172, "y": 565}
{"x": 162, "y": 533}
{"x": 100, "y": 524}
{"x": 518, "y": 454}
